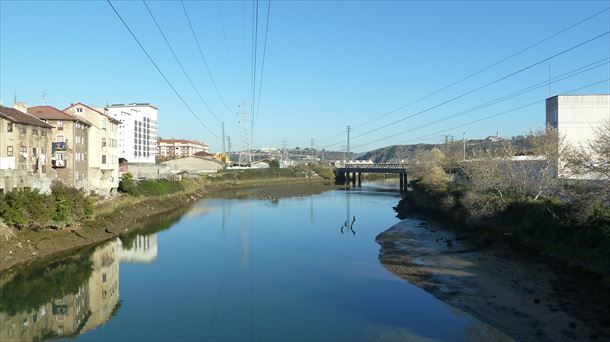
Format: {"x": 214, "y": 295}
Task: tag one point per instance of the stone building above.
{"x": 103, "y": 160}
{"x": 69, "y": 150}
{"x": 25, "y": 144}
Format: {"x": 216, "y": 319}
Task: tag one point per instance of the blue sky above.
{"x": 328, "y": 64}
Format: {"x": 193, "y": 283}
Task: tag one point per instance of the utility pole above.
{"x": 245, "y": 158}
{"x": 44, "y": 97}
{"x": 349, "y": 129}
{"x": 228, "y": 143}
{"x": 222, "y": 125}
{"x": 312, "y": 151}
{"x": 464, "y": 139}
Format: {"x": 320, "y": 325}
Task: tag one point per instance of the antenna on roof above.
{"x": 44, "y": 97}
{"x": 15, "y": 98}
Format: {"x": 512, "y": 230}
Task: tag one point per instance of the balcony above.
{"x": 59, "y": 146}
{"x": 59, "y": 163}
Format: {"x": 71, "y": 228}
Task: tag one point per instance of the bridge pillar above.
{"x": 402, "y": 181}
{"x": 359, "y": 178}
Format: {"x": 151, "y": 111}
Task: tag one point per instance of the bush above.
{"x": 127, "y": 184}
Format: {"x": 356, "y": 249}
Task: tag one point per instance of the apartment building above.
{"x": 137, "y": 131}
{"x": 25, "y": 142}
{"x": 69, "y": 144}
{"x": 103, "y": 160}
{"x": 577, "y": 118}
{"x": 179, "y": 148}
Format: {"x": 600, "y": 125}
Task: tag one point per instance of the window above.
{"x": 60, "y": 138}
{"x": 34, "y": 154}
{"x": 60, "y": 125}
{"x": 103, "y": 159}
{"x": 34, "y": 130}
{"x": 79, "y": 110}
{"x": 22, "y": 129}
{"x": 9, "y": 127}
{"x": 103, "y": 142}
{"x": 9, "y": 151}
{"x": 23, "y": 151}
{"x": 44, "y": 132}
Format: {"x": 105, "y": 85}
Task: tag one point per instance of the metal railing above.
{"x": 375, "y": 166}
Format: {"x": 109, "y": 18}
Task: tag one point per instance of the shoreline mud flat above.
{"x": 21, "y": 248}
{"x": 525, "y": 299}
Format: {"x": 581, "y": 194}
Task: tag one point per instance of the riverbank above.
{"x": 126, "y": 214}
{"x": 488, "y": 269}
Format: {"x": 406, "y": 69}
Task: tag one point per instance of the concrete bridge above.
{"x": 353, "y": 172}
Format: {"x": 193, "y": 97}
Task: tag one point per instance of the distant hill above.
{"x": 399, "y": 153}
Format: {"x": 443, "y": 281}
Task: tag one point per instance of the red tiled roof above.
{"x": 95, "y": 110}
{"x": 20, "y": 117}
{"x": 52, "y": 113}
{"x": 181, "y": 141}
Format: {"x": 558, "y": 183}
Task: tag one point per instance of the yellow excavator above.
{"x": 222, "y": 158}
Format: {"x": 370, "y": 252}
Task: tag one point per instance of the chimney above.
{"x": 21, "y": 106}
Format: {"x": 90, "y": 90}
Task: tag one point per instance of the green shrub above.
{"x": 128, "y": 185}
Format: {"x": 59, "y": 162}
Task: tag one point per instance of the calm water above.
{"x": 236, "y": 269}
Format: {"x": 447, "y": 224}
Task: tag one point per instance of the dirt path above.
{"x": 516, "y": 296}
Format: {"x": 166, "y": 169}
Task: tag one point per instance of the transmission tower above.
{"x": 245, "y": 158}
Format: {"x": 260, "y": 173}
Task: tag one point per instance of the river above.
{"x": 301, "y": 268}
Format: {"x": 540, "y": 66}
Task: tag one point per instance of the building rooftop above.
{"x": 181, "y": 141}
{"x": 95, "y": 110}
{"x": 139, "y": 104}
{"x": 20, "y": 117}
{"x": 52, "y": 113}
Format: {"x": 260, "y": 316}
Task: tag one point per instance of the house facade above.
{"x": 25, "y": 144}
{"x": 137, "y": 131}
{"x": 69, "y": 145}
{"x": 180, "y": 148}
{"x": 103, "y": 161}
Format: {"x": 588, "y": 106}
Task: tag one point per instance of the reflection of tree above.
{"x": 28, "y": 291}
{"x": 154, "y": 224}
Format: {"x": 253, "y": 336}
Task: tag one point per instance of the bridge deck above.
{"x": 374, "y": 168}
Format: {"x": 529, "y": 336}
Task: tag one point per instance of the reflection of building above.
{"x": 92, "y": 304}
{"x": 142, "y": 250}
{"x": 103, "y": 284}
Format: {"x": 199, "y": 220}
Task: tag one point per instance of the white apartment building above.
{"x": 577, "y": 118}
{"x": 137, "y": 131}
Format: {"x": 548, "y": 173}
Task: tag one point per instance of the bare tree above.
{"x": 593, "y": 158}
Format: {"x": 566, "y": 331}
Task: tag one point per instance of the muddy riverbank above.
{"x": 524, "y": 297}
{"x": 20, "y": 248}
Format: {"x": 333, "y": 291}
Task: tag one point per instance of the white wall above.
{"x": 576, "y": 118}
{"x": 138, "y": 121}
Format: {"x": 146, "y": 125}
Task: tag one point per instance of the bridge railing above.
{"x": 375, "y": 166}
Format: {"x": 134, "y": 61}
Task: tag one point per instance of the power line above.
{"x": 471, "y": 75}
{"x": 159, "y": 70}
{"x": 254, "y": 55}
{"x": 178, "y": 61}
{"x": 485, "y": 68}
{"x": 507, "y": 111}
{"x": 205, "y": 63}
{"x": 486, "y": 84}
{"x": 260, "y": 84}
{"x": 559, "y": 78}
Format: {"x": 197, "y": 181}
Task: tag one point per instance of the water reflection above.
{"x": 75, "y": 294}
{"x": 60, "y": 299}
